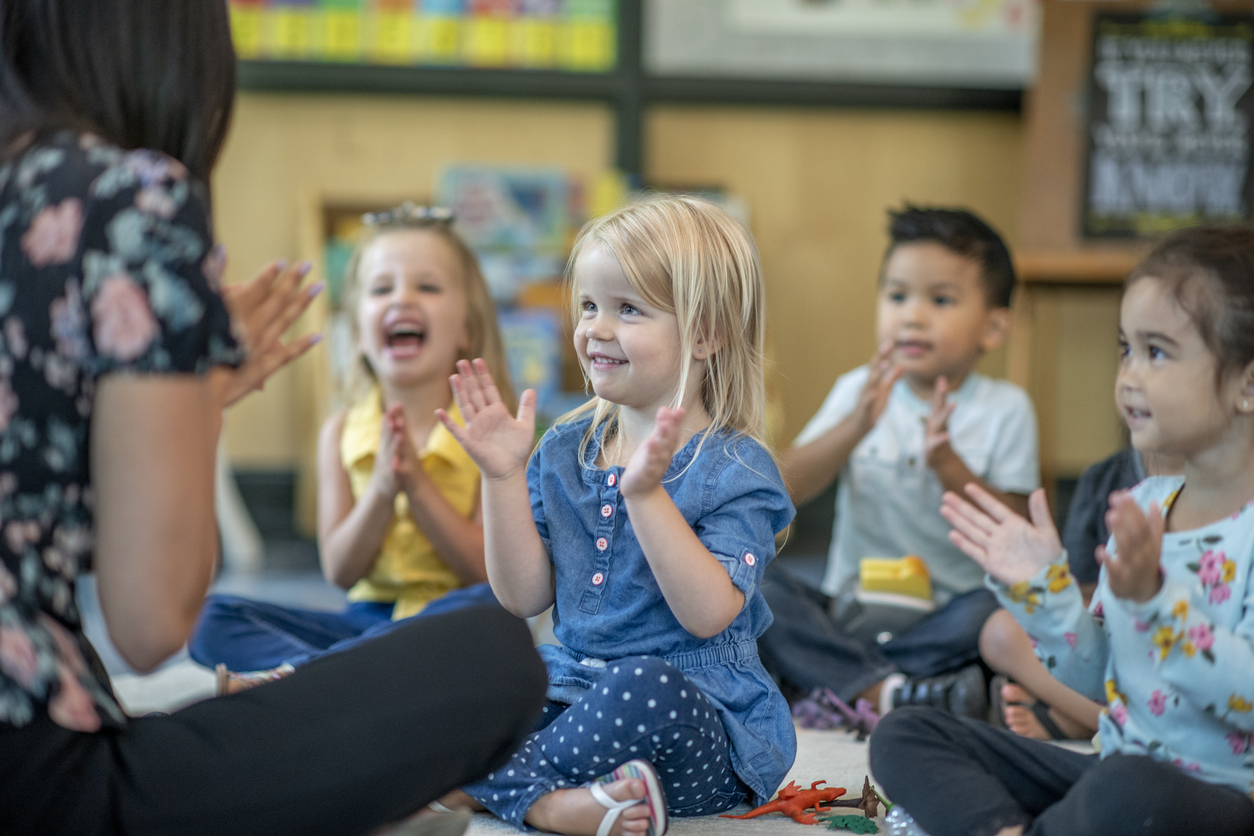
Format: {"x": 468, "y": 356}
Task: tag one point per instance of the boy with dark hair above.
{"x": 899, "y": 432}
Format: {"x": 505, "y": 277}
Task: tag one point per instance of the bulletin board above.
{"x": 939, "y": 43}
{"x": 564, "y": 35}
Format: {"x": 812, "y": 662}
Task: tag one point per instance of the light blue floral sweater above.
{"x": 1176, "y": 672}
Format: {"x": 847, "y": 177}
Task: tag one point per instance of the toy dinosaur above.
{"x": 793, "y": 802}
{"x": 869, "y": 803}
{"x": 822, "y": 709}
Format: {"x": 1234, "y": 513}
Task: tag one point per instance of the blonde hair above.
{"x": 483, "y": 336}
{"x": 686, "y": 256}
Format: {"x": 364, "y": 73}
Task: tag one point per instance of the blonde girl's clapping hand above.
{"x": 497, "y": 441}
{"x": 649, "y": 462}
{"x": 1009, "y": 548}
{"x": 1134, "y": 572}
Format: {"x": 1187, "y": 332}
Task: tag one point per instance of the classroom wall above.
{"x": 816, "y": 182}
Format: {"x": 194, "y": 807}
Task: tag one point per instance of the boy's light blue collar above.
{"x": 960, "y": 395}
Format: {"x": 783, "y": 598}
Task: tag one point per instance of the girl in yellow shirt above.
{"x": 399, "y": 520}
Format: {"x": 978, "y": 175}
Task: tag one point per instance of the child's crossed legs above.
{"x": 641, "y": 707}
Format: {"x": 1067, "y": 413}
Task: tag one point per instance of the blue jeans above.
{"x": 805, "y": 649}
{"x": 248, "y": 635}
{"x": 642, "y": 707}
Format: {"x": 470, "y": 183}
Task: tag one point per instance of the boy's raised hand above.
{"x": 1007, "y": 546}
{"x": 1134, "y": 572}
{"x": 881, "y": 374}
{"x": 648, "y": 464}
{"x": 497, "y": 441}
{"x": 936, "y": 430}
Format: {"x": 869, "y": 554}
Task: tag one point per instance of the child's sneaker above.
{"x": 962, "y": 693}
{"x": 230, "y": 682}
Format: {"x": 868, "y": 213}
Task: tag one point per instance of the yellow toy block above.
{"x": 899, "y": 575}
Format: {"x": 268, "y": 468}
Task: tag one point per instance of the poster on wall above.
{"x": 1169, "y": 111}
{"x": 947, "y": 43}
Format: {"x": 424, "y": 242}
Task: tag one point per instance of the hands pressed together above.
{"x": 396, "y": 466}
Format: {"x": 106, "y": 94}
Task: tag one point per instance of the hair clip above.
{"x": 407, "y": 212}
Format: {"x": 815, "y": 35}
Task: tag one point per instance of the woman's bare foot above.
{"x": 577, "y": 813}
{"x": 1020, "y": 719}
{"x": 459, "y": 800}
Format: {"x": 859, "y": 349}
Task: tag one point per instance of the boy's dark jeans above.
{"x": 805, "y": 649}
{"x": 956, "y": 775}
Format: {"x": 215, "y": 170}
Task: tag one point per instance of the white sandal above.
{"x": 654, "y": 797}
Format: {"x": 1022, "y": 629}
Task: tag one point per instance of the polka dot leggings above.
{"x": 641, "y": 707}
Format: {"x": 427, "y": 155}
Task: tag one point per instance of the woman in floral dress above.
{"x": 117, "y": 357}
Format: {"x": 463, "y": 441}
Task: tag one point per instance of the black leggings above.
{"x": 962, "y": 776}
{"x": 346, "y": 744}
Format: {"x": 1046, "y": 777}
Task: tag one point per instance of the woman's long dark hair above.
{"x": 156, "y": 74}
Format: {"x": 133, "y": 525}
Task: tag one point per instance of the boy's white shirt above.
{"x": 888, "y": 500}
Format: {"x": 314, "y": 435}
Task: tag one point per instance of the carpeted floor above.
{"x": 831, "y": 756}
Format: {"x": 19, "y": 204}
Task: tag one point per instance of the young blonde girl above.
{"x": 1168, "y": 640}
{"x": 646, "y": 518}
{"x": 399, "y": 522}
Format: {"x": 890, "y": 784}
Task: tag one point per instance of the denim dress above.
{"x": 608, "y": 603}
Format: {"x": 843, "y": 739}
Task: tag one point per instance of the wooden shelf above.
{"x": 1078, "y": 267}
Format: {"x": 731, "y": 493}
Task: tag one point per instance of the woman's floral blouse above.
{"x": 1177, "y": 672}
{"x": 106, "y": 265}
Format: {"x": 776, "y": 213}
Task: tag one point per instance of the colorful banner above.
{"x": 569, "y": 35}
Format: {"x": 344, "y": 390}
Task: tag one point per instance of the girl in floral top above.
{"x": 117, "y": 357}
{"x": 1168, "y": 640}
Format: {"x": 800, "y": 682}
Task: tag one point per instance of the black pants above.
{"x": 346, "y": 744}
{"x": 804, "y": 649}
{"x": 961, "y": 776}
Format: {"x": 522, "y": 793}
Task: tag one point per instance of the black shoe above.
{"x": 962, "y": 693}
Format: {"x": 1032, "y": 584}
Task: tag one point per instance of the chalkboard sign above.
{"x": 1169, "y": 113}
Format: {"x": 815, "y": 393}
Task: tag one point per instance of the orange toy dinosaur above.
{"x": 793, "y": 802}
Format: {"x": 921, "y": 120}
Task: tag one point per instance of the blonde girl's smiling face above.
{"x": 411, "y": 307}
{"x": 629, "y": 349}
{"x": 1167, "y": 390}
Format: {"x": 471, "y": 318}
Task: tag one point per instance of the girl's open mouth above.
{"x": 405, "y": 340}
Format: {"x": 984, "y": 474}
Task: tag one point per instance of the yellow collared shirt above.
{"x": 407, "y": 571}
